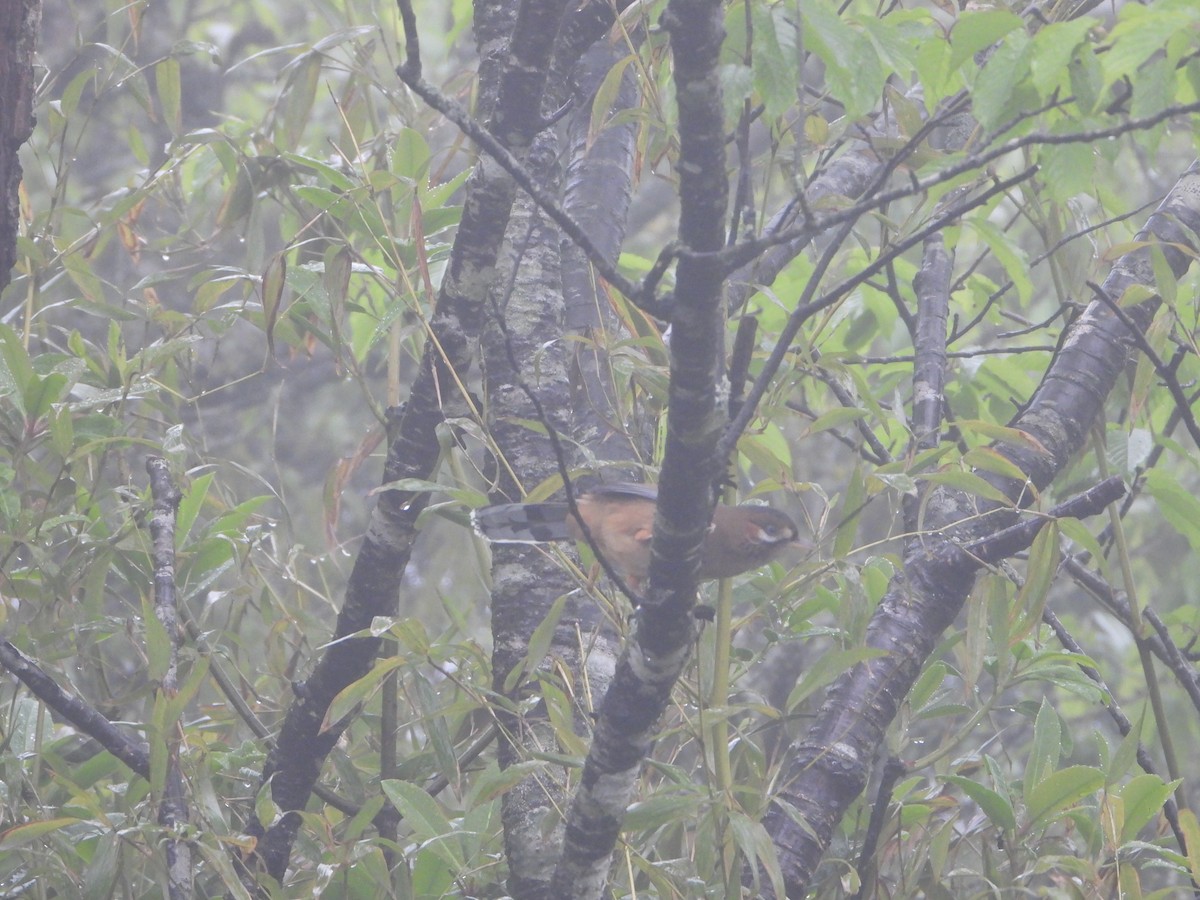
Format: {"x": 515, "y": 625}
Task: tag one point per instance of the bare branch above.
{"x": 172, "y": 808}
{"x": 932, "y": 284}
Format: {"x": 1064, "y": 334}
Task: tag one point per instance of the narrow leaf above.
{"x": 994, "y": 805}
{"x": 1061, "y": 790}
{"x": 272, "y": 296}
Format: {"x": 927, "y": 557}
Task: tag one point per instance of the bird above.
{"x": 620, "y": 518}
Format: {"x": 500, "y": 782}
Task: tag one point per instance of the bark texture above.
{"x": 530, "y": 306}
{"x": 20, "y": 21}
{"x": 661, "y": 644}
{"x": 294, "y": 763}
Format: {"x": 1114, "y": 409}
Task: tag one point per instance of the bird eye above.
{"x": 771, "y": 534}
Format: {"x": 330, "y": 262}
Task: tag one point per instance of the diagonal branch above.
{"x": 829, "y": 765}
{"x": 76, "y": 710}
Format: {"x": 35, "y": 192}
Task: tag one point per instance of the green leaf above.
{"x": 438, "y": 196}
{"x": 606, "y": 96}
{"x": 231, "y": 523}
{"x": 1191, "y": 831}
{"x": 410, "y": 155}
{"x": 999, "y": 92}
{"x": 334, "y": 178}
{"x": 337, "y": 274}
{"x": 297, "y": 99}
{"x": 737, "y": 83}
{"x": 975, "y": 31}
{"x": 273, "y": 281}
{"x": 1141, "y": 33}
{"x": 197, "y": 676}
{"x": 1178, "y": 505}
{"x": 494, "y": 781}
{"x": 168, "y": 84}
{"x": 265, "y": 809}
{"x": 26, "y": 834}
{"x": 968, "y": 482}
{"x": 1008, "y": 254}
{"x": 103, "y": 867}
{"x": 775, "y": 58}
{"x": 1082, "y": 536}
{"x": 42, "y": 393}
{"x": 158, "y": 643}
{"x": 22, "y": 736}
{"x": 1165, "y": 281}
{"x": 897, "y": 39}
{"x": 425, "y": 818}
{"x": 190, "y": 505}
{"x": 62, "y": 431}
{"x": 933, "y": 68}
{"x": 1153, "y": 91}
{"x": 994, "y": 805}
{"x": 436, "y": 725}
{"x": 1046, "y": 750}
{"x": 17, "y": 370}
{"x": 349, "y": 697}
{"x": 985, "y": 459}
{"x": 835, "y": 418}
{"x": 756, "y": 844}
{"x": 1060, "y": 790}
{"x": 1039, "y": 575}
{"x": 1124, "y": 759}
{"x": 1087, "y": 79}
{"x": 1052, "y": 50}
{"x": 929, "y": 682}
{"x": 826, "y": 668}
{"x": 156, "y": 735}
{"x": 539, "y": 641}
{"x": 1144, "y": 797}
{"x": 1068, "y": 169}
{"x": 662, "y": 809}
{"x": 90, "y": 286}
{"x": 852, "y": 68}
{"x": 769, "y": 450}
{"x": 850, "y": 513}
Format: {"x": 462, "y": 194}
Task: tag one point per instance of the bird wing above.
{"x": 625, "y": 490}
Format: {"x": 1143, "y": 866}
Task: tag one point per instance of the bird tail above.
{"x": 522, "y": 523}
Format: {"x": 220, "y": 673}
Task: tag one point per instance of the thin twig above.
{"x": 743, "y": 252}
{"x": 806, "y": 309}
{"x": 1160, "y": 368}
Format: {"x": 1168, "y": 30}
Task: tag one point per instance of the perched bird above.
{"x": 620, "y": 518}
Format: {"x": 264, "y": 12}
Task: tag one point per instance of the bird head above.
{"x": 744, "y": 538}
{"x": 769, "y": 529}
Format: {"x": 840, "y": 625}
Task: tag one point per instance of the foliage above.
{"x": 236, "y": 223}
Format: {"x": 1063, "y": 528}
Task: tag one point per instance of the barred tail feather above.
{"x": 522, "y": 523}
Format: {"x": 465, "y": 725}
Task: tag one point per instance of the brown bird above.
{"x": 620, "y": 518}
